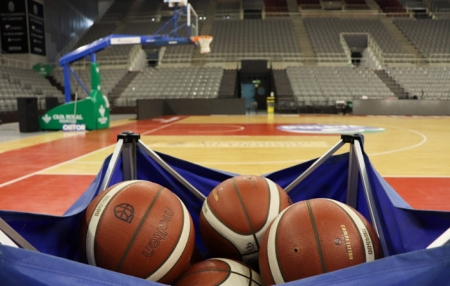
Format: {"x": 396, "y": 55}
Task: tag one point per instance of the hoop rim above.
{"x": 197, "y": 38}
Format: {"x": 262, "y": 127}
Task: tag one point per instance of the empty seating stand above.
{"x": 430, "y": 37}
{"x": 324, "y": 34}
{"x": 323, "y": 86}
{"x": 16, "y": 83}
{"x": 180, "y": 82}
{"x": 256, "y": 38}
{"x": 285, "y": 99}
{"x": 109, "y": 79}
{"x": 432, "y": 83}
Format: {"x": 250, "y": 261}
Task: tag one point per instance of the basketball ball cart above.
{"x": 404, "y": 233}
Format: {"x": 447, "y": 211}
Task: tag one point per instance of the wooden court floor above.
{"x": 48, "y": 171}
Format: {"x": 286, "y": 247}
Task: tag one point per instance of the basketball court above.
{"x": 46, "y": 172}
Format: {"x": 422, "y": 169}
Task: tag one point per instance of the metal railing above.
{"x": 344, "y": 44}
{"x": 391, "y": 59}
{"x": 439, "y": 58}
{"x": 6, "y": 61}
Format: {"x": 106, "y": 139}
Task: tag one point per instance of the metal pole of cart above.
{"x": 357, "y": 168}
{"x": 127, "y": 144}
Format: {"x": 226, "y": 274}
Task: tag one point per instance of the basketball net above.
{"x": 203, "y": 42}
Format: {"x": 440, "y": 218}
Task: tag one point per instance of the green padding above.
{"x": 92, "y": 111}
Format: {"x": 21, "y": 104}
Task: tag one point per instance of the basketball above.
{"x": 236, "y": 214}
{"x": 219, "y": 271}
{"x": 138, "y": 228}
{"x": 314, "y": 237}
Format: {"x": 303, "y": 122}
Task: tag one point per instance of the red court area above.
{"x": 229, "y": 130}
{"x": 423, "y": 193}
{"x": 25, "y": 161}
{"x": 47, "y": 194}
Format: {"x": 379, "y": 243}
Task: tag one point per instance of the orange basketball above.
{"x": 138, "y": 228}
{"x": 219, "y": 271}
{"x": 314, "y": 237}
{"x": 236, "y": 214}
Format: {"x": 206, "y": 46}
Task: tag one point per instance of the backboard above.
{"x": 172, "y": 3}
{"x": 184, "y": 23}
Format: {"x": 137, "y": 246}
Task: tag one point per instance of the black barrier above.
{"x": 28, "y": 114}
{"x": 150, "y": 108}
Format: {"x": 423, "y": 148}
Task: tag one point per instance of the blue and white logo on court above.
{"x": 329, "y": 128}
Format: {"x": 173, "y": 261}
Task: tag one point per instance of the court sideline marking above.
{"x": 424, "y": 140}
{"x": 74, "y": 159}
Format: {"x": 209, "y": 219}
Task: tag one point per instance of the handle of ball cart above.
{"x": 127, "y": 144}
{"x": 10, "y": 237}
{"x": 357, "y": 167}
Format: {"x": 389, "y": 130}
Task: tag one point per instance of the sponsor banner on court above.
{"x": 329, "y": 128}
{"x": 62, "y": 118}
{"x": 74, "y": 127}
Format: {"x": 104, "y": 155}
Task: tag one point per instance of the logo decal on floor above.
{"x": 329, "y": 128}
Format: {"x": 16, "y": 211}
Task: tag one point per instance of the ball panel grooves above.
{"x": 171, "y": 265}
{"x": 268, "y": 208}
{"x": 255, "y": 194}
{"x": 240, "y": 273}
{"x": 297, "y": 244}
{"x": 316, "y": 235}
{"x": 273, "y": 251}
{"x": 211, "y": 268}
{"x": 227, "y": 247}
{"x": 94, "y": 224}
{"x": 221, "y": 213}
{"x": 138, "y": 229}
{"x": 249, "y": 222}
{"x": 223, "y": 222}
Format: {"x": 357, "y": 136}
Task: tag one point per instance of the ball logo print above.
{"x": 329, "y": 128}
{"x": 157, "y": 240}
{"x": 328, "y": 236}
{"x": 124, "y": 212}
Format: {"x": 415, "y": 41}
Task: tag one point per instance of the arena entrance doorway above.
{"x": 256, "y": 74}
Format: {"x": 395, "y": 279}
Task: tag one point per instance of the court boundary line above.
{"x": 73, "y": 159}
{"x": 51, "y": 167}
{"x": 78, "y": 174}
{"x": 424, "y": 140}
{"x": 238, "y": 129}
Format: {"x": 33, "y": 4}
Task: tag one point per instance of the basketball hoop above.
{"x": 203, "y": 42}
